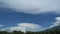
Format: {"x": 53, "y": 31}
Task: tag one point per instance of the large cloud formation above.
{"x": 32, "y": 6}
{"x": 24, "y": 27}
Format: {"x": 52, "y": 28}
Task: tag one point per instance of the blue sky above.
{"x": 13, "y": 18}
{"x": 42, "y": 13}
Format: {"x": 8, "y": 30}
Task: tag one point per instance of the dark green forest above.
{"x": 56, "y": 31}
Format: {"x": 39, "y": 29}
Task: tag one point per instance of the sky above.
{"x": 29, "y": 15}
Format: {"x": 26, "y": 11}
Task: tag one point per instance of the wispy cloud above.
{"x": 57, "y": 23}
{"x": 33, "y": 6}
{"x": 1, "y": 25}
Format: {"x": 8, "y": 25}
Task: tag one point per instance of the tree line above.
{"x": 56, "y": 31}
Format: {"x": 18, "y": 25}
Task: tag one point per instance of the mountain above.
{"x": 57, "y": 27}
{"x": 54, "y": 28}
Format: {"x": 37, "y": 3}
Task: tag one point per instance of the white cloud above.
{"x": 57, "y": 23}
{"x": 25, "y": 27}
{"x": 33, "y": 6}
{"x": 1, "y": 25}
